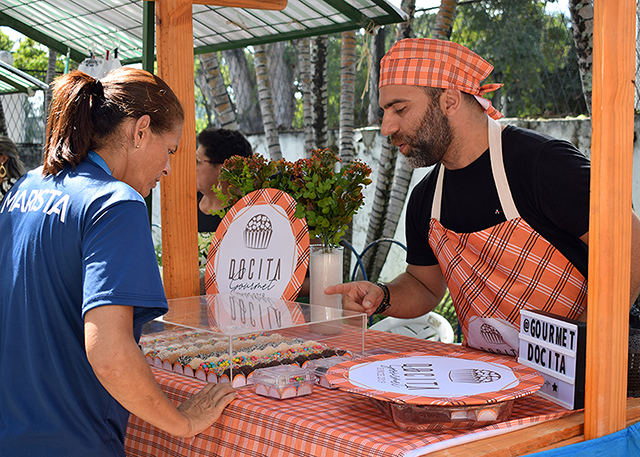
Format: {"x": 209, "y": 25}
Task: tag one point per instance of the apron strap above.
{"x": 437, "y": 196}
{"x": 497, "y": 166}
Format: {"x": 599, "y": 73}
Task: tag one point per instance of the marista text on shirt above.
{"x": 46, "y": 200}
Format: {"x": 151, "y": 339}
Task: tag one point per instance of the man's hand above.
{"x": 360, "y": 296}
{"x": 205, "y": 407}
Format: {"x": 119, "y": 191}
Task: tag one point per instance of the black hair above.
{"x": 13, "y": 165}
{"x": 220, "y": 144}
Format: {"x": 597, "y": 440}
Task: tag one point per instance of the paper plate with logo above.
{"x": 423, "y": 391}
{"x": 260, "y": 247}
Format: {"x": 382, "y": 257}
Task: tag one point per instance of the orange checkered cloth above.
{"x": 327, "y": 422}
{"x": 438, "y": 63}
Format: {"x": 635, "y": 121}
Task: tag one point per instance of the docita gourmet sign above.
{"x": 259, "y": 248}
{"x": 555, "y": 346}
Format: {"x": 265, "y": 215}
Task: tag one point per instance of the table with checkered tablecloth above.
{"x": 325, "y": 423}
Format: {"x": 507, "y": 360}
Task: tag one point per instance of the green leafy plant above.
{"x": 204, "y": 244}
{"x": 327, "y": 193}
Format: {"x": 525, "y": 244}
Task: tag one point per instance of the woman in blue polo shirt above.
{"x": 79, "y": 275}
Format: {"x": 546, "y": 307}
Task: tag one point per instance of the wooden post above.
{"x": 174, "y": 30}
{"x": 610, "y": 224}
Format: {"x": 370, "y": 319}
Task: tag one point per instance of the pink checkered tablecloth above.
{"x": 326, "y": 423}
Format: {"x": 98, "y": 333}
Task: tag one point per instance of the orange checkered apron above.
{"x": 494, "y": 273}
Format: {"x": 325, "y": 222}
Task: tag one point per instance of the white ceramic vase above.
{"x": 325, "y": 269}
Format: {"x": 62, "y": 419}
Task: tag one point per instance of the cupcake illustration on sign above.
{"x": 257, "y": 233}
{"x": 474, "y": 376}
{"x": 491, "y": 334}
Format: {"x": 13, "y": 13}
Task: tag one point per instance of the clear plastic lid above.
{"x": 283, "y": 376}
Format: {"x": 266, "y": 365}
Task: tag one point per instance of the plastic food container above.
{"x": 283, "y": 381}
{"x": 421, "y": 391}
{"x": 413, "y": 418}
{"x": 320, "y": 367}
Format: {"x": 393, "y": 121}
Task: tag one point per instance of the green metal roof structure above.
{"x": 82, "y": 26}
{"x": 14, "y": 81}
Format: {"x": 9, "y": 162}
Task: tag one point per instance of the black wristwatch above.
{"x": 385, "y": 301}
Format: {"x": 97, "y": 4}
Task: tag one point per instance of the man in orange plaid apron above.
{"x": 501, "y": 220}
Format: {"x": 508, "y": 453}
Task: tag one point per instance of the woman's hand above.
{"x": 205, "y": 407}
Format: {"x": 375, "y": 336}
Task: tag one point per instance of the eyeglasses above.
{"x": 199, "y": 161}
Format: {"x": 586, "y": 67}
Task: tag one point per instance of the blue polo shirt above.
{"x": 70, "y": 243}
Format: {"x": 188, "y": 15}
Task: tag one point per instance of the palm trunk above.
{"x": 207, "y": 97}
{"x": 249, "y": 118}
{"x": 347, "y": 96}
{"x": 283, "y": 90}
{"x": 444, "y": 19}
{"x": 384, "y": 181}
{"x": 319, "y": 90}
{"x": 266, "y": 102}
{"x": 397, "y": 197}
{"x": 305, "y": 89}
{"x": 347, "y": 107}
{"x": 405, "y": 29}
{"x": 376, "y": 52}
{"x": 582, "y": 26}
{"x": 216, "y": 89}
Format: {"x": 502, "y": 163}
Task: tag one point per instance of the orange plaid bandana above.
{"x": 438, "y": 63}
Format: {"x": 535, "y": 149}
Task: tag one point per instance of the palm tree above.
{"x": 244, "y": 95}
{"x": 381, "y": 196}
{"x": 405, "y": 29}
{"x": 319, "y": 90}
{"x": 207, "y": 97}
{"x": 347, "y": 95}
{"x": 347, "y": 107}
{"x": 266, "y": 102}
{"x": 376, "y": 52}
{"x": 216, "y": 91}
{"x": 444, "y": 19}
{"x": 397, "y": 197}
{"x": 582, "y": 26}
{"x": 282, "y": 87}
{"x": 305, "y": 89}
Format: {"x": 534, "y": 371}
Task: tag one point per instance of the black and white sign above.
{"x": 555, "y": 346}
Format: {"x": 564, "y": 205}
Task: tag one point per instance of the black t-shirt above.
{"x": 549, "y": 182}
{"x": 207, "y": 222}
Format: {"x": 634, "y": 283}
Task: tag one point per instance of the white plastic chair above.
{"x": 431, "y": 326}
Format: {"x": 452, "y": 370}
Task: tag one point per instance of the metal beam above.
{"x": 19, "y": 80}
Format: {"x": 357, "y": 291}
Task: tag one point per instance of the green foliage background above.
{"x": 30, "y": 55}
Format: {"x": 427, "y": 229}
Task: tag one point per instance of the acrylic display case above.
{"x": 227, "y": 337}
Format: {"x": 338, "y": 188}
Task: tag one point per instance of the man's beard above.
{"x": 431, "y": 140}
